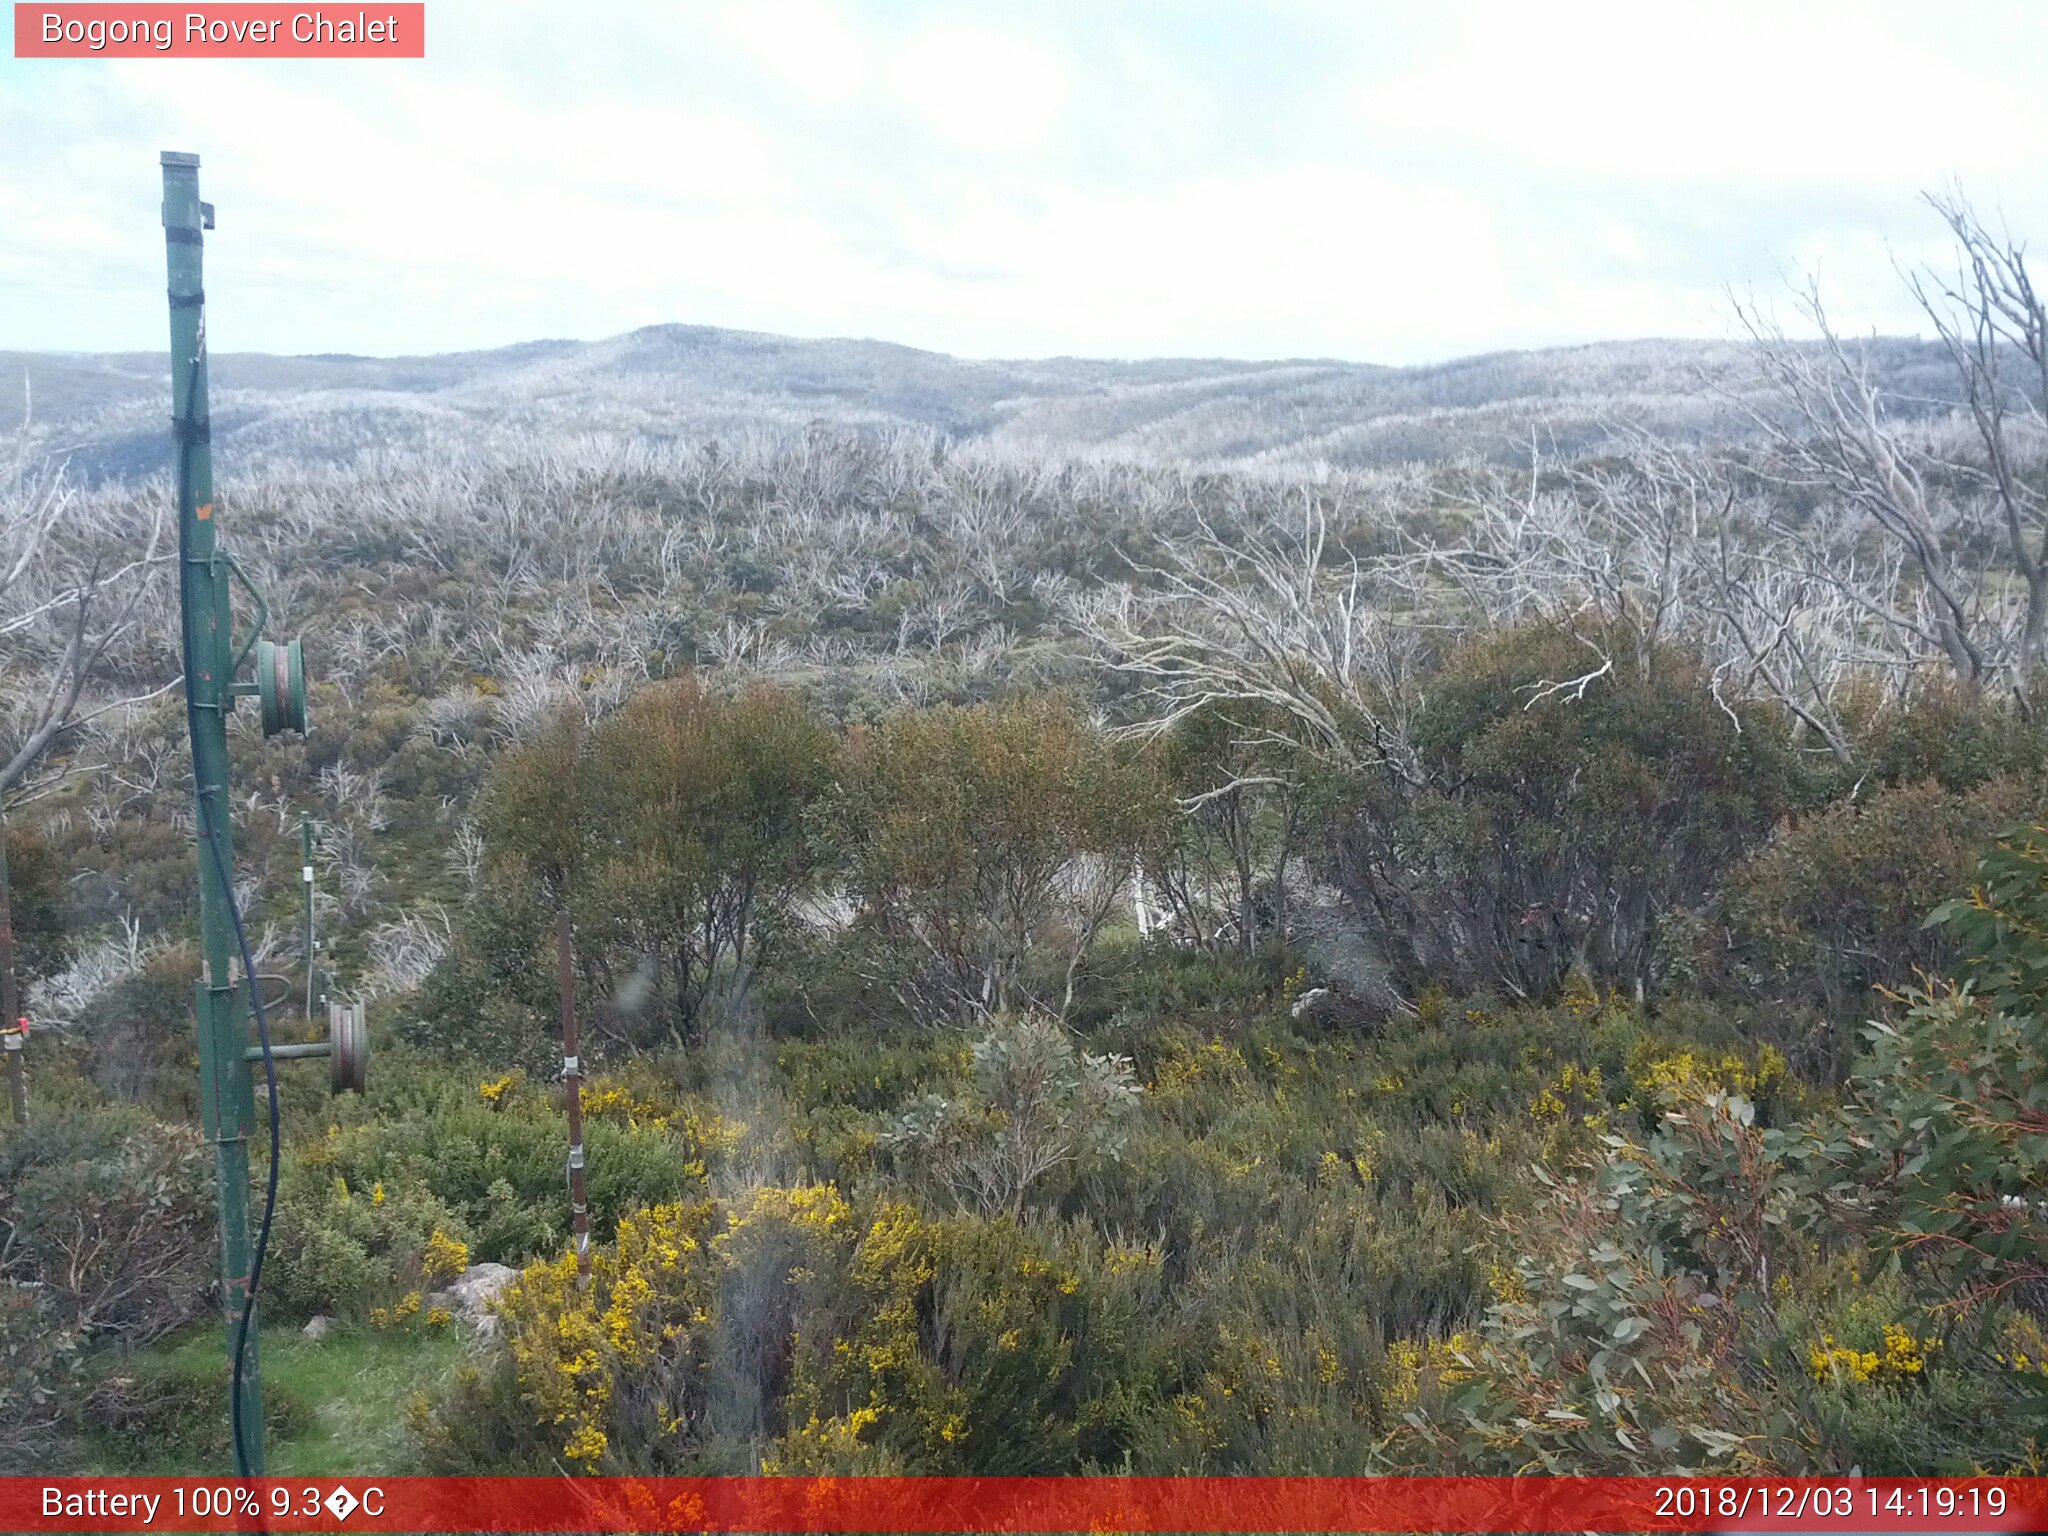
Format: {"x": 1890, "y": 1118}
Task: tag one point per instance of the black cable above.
{"x": 187, "y": 434}
{"x": 270, "y": 1179}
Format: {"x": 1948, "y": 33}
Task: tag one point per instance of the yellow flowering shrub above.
{"x": 1412, "y": 1364}
{"x": 445, "y": 1257}
{"x": 839, "y": 1443}
{"x": 1571, "y": 1109}
{"x": 1659, "y": 1075}
{"x": 397, "y": 1315}
{"x": 2021, "y": 1345}
{"x": 615, "y": 1363}
{"x": 1905, "y": 1353}
{"x": 1120, "y": 1260}
{"x": 1506, "y": 1285}
{"x": 966, "y": 1344}
{"x": 1189, "y": 1072}
{"x": 641, "y": 1100}
{"x": 1580, "y": 996}
{"x": 1573, "y": 1094}
{"x": 1830, "y": 1362}
{"x": 489, "y": 1159}
{"x": 804, "y": 1207}
{"x": 603, "y": 1100}
{"x": 618, "y": 1375}
{"x": 1901, "y": 1357}
{"x": 1336, "y": 1171}
{"x": 319, "y": 1154}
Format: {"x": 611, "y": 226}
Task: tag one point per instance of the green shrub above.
{"x": 1836, "y": 906}
{"x": 112, "y": 1215}
{"x": 343, "y": 1250}
{"x": 1958, "y": 736}
{"x": 676, "y": 832}
{"x": 494, "y": 996}
{"x": 1036, "y": 1108}
{"x": 1221, "y": 864}
{"x": 1682, "y": 1305}
{"x": 1939, "y": 1151}
{"x": 484, "y": 1157}
{"x": 35, "y": 873}
{"x": 169, "y": 1407}
{"x": 1543, "y": 829}
{"x": 41, "y": 1376}
{"x": 976, "y": 1345}
{"x": 987, "y": 847}
{"x": 1615, "y": 1341}
{"x": 141, "y": 1038}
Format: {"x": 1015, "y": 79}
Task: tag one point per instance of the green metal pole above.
{"x": 227, "y": 1091}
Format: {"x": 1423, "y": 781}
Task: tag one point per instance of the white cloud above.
{"x": 1308, "y": 180}
{"x": 1312, "y": 260}
{"x": 806, "y": 45}
{"x": 1724, "y": 96}
{"x": 983, "y": 90}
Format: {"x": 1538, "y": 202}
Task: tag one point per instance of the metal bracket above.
{"x": 347, "y": 1049}
{"x": 262, "y": 612}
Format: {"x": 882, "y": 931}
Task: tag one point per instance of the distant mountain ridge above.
{"x": 105, "y": 412}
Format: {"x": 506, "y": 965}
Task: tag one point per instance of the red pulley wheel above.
{"x": 348, "y": 1060}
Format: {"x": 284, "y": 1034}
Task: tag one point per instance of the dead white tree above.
{"x": 1656, "y": 542}
{"x": 1992, "y": 321}
{"x": 1273, "y": 621}
{"x": 75, "y": 575}
{"x": 1838, "y": 435}
{"x": 1615, "y": 540}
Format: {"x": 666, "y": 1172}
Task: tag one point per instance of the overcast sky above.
{"x": 1382, "y": 183}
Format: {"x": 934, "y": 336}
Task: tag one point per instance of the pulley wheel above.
{"x": 281, "y": 686}
{"x": 348, "y": 1057}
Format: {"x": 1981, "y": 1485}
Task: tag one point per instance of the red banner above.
{"x": 236, "y": 31}
{"x": 1045, "y": 1504}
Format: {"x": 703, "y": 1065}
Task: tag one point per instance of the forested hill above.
{"x": 104, "y": 412}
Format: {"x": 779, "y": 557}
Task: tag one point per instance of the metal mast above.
{"x": 227, "y": 1092}
{"x": 211, "y": 658}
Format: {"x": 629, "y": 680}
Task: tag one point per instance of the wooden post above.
{"x": 306, "y": 880}
{"x": 572, "y": 1075}
{"x": 12, "y": 1035}
{"x": 14, "y": 1038}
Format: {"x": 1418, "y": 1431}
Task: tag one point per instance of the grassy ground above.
{"x": 333, "y": 1409}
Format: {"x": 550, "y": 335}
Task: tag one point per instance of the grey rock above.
{"x": 1309, "y": 1001}
{"x": 470, "y": 1296}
